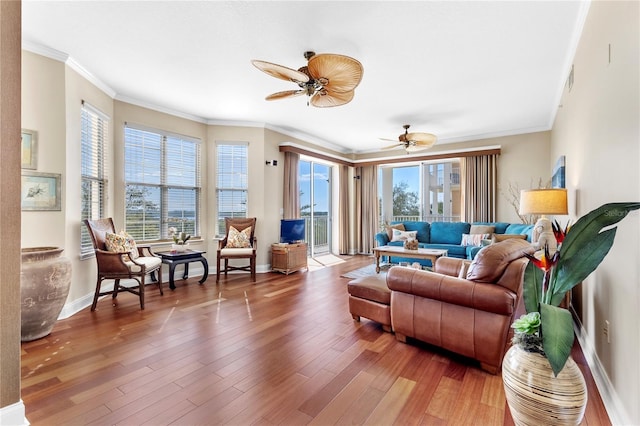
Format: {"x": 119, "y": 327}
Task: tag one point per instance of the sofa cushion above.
{"x": 492, "y": 260}
{"x": 520, "y": 228}
{"x": 496, "y": 238}
{"x": 372, "y": 288}
{"x": 482, "y": 229}
{"x": 448, "y": 232}
{"x": 500, "y": 227}
{"x": 454, "y": 250}
{"x": 421, "y": 227}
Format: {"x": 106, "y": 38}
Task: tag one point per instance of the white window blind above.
{"x": 94, "y": 126}
{"x": 162, "y": 178}
{"x": 232, "y": 181}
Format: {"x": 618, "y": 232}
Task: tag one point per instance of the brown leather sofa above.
{"x": 470, "y": 316}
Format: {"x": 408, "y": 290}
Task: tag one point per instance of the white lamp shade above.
{"x": 543, "y": 201}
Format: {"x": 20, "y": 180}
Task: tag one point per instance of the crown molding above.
{"x": 57, "y": 55}
{"x": 158, "y": 108}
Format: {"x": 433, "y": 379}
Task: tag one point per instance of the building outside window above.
{"x": 420, "y": 192}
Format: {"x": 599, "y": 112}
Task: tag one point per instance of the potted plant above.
{"x": 179, "y": 239}
{"x": 544, "y": 336}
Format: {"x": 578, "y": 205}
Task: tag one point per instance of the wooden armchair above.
{"x": 238, "y": 243}
{"x": 125, "y": 260}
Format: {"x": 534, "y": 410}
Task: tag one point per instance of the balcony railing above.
{"x": 428, "y": 218}
{"x": 319, "y": 228}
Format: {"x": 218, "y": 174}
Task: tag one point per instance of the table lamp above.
{"x": 544, "y": 202}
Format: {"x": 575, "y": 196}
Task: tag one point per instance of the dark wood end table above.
{"x": 173, "y": 259}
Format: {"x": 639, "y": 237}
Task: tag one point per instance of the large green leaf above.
{"x": 557, "y": 335}
{"x": 589, "y": 225}
{"x": 575, "y": 269}
{"x": 532, "y": 287}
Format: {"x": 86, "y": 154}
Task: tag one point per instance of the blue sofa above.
{"x": 448, "y": 236}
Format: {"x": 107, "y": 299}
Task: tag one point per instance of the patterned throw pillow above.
{"x": 403, "y": 235}
{"x": 473, "y": 239}
{"x": 121, "y": 243}
{"x": 239, "y": 239}
{"x": 390, "y": 228}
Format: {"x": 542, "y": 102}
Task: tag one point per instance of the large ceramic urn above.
{"x": 536, "y": 396}
{"x": 45, "y": 278}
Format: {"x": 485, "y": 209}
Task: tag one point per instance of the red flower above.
{"x": 558, "y": 232}
{"x": 547, "y": 261}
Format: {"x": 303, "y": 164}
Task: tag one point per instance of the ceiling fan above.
{"x": 328, "y": 80}
{"x": 414, "y": 141}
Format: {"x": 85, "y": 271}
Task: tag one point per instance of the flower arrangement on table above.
{"x": 179, "y": 238}
{"x": 547, "y": 328}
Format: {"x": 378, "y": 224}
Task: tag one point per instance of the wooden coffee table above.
{"x": 421, "y": 253}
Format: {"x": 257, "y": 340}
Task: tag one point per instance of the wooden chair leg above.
{"x": 96, "y": 295}
{"x": 253, "y": 270}
{"x": 160, "y": 281}
{"x": 218, "y": 270}
{"x": 116, "y": 287}
{"x": 141, "y": 291}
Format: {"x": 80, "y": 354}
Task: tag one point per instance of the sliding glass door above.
{"x": 315, "y": 205}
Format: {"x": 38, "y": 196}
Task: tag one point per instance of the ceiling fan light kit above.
{"x": 413, "y": 142}
{"x": 328, "y": 80}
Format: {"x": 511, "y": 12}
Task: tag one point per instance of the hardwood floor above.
{"x": 281, "y": 351}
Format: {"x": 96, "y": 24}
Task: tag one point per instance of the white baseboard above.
{"x": 13, "y": 415}
{"x": 612, "y": 403}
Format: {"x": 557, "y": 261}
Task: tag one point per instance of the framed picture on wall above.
{"x": 557, "y": 176}
{"x": 40, "y": 191}
{"x": 29, "y": 149}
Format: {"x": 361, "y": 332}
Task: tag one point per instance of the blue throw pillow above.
{"x": 448, "y": 232}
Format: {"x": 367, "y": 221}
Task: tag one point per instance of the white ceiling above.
{"x": 461, "y": 70}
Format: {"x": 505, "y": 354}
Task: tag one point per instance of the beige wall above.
{"x": 598, "y": 129}
{"x": 11, "y": 407}
{"x": 43, "y": 110}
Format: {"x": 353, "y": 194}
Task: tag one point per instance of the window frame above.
{"x": 94, "y": 145}
{"x": 163, "y": 184}
{"x": 239, "y": 182}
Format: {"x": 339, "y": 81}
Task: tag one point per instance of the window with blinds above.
{"x": 93, "y": 139}
{"x": 162, "y": 179}
{"x": 231, "y": 182}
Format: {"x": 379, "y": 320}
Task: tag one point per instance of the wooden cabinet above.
{"x": 287, "y": 258}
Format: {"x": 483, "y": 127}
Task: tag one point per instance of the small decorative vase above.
{"x": 537, "y": 397}
{"x": 179, "y": 247}
{"x": 45, "y": 278}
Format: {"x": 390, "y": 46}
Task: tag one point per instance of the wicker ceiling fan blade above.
{"x": 327, "y": 99}
{"x": 281, "y": 72}
{"x": 416, "y": 148}
{"x": 389, "y": 140}
{"x": 395, "y": 145}
{"x": 285, "y": 94}
{"x": 337, "y": 73}
{"x": 422, "y": 139}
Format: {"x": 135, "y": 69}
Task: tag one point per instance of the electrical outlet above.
{"x": 606, "y": 330}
